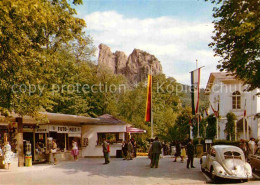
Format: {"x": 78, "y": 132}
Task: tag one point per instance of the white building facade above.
{"x": 227, "y": 94}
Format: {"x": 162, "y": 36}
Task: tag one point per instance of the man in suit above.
{"x": 106, "y": 151}
{"x": 190, "y": 152}
{"x": 156, "y": 151}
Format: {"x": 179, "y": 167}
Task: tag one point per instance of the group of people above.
{"x": 182, "y": 151}
{"x": 54, "y": 147}
{"x": 249, "y": 148}
{"x": 129, "y": 149}
{"x": 7, "y": 153}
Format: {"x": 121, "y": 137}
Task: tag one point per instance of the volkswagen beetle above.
{"x": 227, "y": 162}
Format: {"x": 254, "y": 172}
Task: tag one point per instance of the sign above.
{"x": 74, "y": 131}
{"x": 208, "y": 141}
{"x": 42, "y": 129}
{"x": 28, "y": 128}
{"x": 58, "y": 128}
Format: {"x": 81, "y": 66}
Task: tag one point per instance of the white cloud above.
{"x": 176, "y": 43}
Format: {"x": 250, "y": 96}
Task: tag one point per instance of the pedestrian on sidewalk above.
{"x": 156, "y": 151}
{"x": 183, "y": 153}
{"x": 129, "y": 150}
{"x": 7, "y": 155}
{"x": 150, "y": 155}
{"x": 106, "y": 150}
{"x": 178, "y": 150}
{"x": 75, "y": 150}
{"x": 190, "y": 152}
{"x": 53, "y": 151}
{"x": 124, "y": 150}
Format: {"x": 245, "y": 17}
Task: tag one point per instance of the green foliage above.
{"x": 225, "y": 142}
{"x": 230, "y": 126}
{"x": 33, "y": 35}
{"x": 211, "y": 128}
{"x": 237, "y": 39}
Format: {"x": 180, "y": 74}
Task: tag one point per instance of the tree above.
{"x": 230, "y": 126}
{"x": 211, "y": 128}
{"x": 237, "y": 39}
{"x": 182, "y": 123}
{"x": 32, "y": 34}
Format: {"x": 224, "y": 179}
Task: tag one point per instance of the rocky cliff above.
{"x": 135, "y": 67}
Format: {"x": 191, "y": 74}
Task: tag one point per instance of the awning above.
{"x": 134, "y": 130}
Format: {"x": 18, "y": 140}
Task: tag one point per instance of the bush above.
{"x": 226, "y": 142}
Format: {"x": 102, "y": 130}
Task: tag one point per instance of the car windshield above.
{"x": 232, "y": 155}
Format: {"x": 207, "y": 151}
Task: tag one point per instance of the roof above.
{"x": 134, "y": 130}
{"x": 106, "y": 119}
{"x": 222, "y": 76}
{"x": 53, "y": 118}
{"x": 67, "y": 119}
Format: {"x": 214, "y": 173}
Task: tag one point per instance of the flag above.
{"x": 245, "y": 109}
{"x": 148, "y": 112}
{"x": 195, "y": 90}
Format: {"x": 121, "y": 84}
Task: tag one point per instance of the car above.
{"x": 255, "y": 160}
{"x": 225, "y": 161}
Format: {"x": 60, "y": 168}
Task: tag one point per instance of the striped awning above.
{"x": 134, "y": 130}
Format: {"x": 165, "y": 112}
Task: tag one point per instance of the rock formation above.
{"x": 135, "y": 67}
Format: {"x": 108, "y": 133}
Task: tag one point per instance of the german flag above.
{"x": 148, "y": 111}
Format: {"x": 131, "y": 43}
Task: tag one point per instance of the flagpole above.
{"x": 151, "y": 71}
{"x": 244, "y": 127}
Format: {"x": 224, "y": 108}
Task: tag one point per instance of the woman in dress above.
{"x": 7, "y": 155}
{"x": 183, "y": 153}
{"x": 75, "y": 150}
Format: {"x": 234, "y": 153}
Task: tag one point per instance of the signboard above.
{"x": 58, "y": 128}
{"x": 74, "y": 131}
{"x": 28, "y": 128}
{"x": 42, "y": 129}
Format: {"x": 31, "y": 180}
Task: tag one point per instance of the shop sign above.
{"x": 58, "y": 128}
{"x": 74, "y": 131}
{"x": 28, "y": 128}
{"x": 42, "y": 129}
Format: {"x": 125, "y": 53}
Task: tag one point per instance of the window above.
{"x": 236, "y": 100}
{"x": 232, "y": 155}
{"x": 110, "y": 137}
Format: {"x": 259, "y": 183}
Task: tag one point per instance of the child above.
{"x": 183, "y": 153}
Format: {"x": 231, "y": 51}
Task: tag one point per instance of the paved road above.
{"x": 93, "y": 172}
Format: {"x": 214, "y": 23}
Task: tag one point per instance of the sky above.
{"x": 177, "y": 32}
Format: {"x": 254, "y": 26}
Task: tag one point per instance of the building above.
{"x": 87, "y": 132}
{"x": 227, "y": 94}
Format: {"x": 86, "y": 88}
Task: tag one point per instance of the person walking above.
{"x": 156, "y": 151}
{"x": 150, "y": 156}
{"x": 129, "y": 150}
{"x": 106, "y": 150}
{"x": 251, "y": 147}
{"x": 183, "y": 153}
{"x": 190, "y": 152}
{"x": 75, "y": 150}
{"x": 53, "y": 151}
{"x": 7, "y": 154}
{"x": 178, "y": 151}
{"x": 243, "y": 146}
{"x": 124, "y": 150}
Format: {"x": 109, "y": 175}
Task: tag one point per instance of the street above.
{"x": 92, "y": 171}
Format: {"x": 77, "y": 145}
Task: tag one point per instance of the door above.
{"x": 28, "y": 136}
